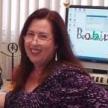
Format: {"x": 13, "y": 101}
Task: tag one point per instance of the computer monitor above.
{"x": 88, "y": 30}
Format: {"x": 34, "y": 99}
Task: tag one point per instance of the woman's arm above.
{"x": 2, "y": 99}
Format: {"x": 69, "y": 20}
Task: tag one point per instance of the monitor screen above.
{"x": 88, "y": 30}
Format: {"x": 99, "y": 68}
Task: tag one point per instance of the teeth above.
{"x": 35, "y": 50}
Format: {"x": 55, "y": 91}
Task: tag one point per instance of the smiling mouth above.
{"x": 35, "y": 51}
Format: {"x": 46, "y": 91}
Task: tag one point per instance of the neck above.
{"x": 35, "y": 79}
{"x": 38, "y": 68}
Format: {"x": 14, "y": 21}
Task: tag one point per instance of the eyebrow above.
{"x": 37, "y": 32}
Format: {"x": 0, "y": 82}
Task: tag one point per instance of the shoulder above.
{"x": 66, "y": 84}
{"x": 70, "y": 76}
{"x": 68, "y": 70}
{"x": 72, "y": 83}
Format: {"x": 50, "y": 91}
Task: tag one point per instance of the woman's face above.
{"x": 39, "y": 42}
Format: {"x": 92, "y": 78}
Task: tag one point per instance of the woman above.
{"x": 49, "y": 75}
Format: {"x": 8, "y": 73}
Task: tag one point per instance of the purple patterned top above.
{"x": 67, "y": 87}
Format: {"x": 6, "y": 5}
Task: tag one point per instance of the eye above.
{"x": 43, "y": 36}
{"x": 30, "y": 34}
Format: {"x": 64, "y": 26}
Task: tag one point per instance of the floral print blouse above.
{"x": 67, "y": 87}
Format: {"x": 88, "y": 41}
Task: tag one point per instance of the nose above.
{"x": 35, "y": 39}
